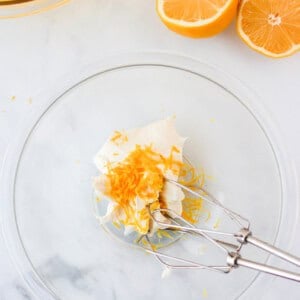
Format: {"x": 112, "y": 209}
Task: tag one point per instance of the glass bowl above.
{"x": 22, "y": 8}
{"x": 48, "y": 219}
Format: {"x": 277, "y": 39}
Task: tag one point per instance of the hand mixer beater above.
{"x": 232, "y": 250}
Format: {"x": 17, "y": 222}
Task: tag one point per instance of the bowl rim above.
{"x": 19, "y": 9}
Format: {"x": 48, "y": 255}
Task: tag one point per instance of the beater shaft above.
{"x": 234, "y": 258}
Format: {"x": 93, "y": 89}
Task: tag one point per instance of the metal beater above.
{"x": 241, "y": 237}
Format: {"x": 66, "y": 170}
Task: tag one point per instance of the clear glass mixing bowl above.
{"x": 48, "y": 223}
{"x": 22, "y": 8}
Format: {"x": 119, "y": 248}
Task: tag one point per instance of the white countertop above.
{"x": 37, "y": 50}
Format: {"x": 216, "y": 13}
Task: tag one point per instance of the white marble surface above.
{"x": 38, "y": 50}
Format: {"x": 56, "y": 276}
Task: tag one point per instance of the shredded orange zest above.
{"x": 144, "y": 242}
{"x": 165, "y": 234}
{"x": 140, "y": 175}
{"x": 208, "y": 216}
{"x": 175, "y": 149}
{"x": 191, "y": 206}
{"x": 119, "y": 138}
{"x": 191, "y": 209}
{"x": 191, "y": 177}
{"x": 117, "y": 225}
{"x": 158, "y": 233}
{"x": 217, "y": 223}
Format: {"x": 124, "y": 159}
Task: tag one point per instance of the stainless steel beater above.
{"x": 241, "y": 237}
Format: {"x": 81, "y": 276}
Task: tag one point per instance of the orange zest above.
{"x": 140, "y": 175}
{"x": 196, "y": 18}
{"x": 119, "y": 138}
{"x": 191, "y": 206}
{"x": 191, "y": 209}
{"x": 271, "y": 27}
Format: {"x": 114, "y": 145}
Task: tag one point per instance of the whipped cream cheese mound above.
{"x": 133, "y": 166}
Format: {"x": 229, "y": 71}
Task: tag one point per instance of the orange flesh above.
{"x": 196, "y": 18}
{"x": 272, "y": 24}
{"x": 192, "y": 10}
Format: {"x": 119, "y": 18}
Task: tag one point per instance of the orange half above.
{"x": 271, "y": 27}
{"x": 196, "y": 18}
